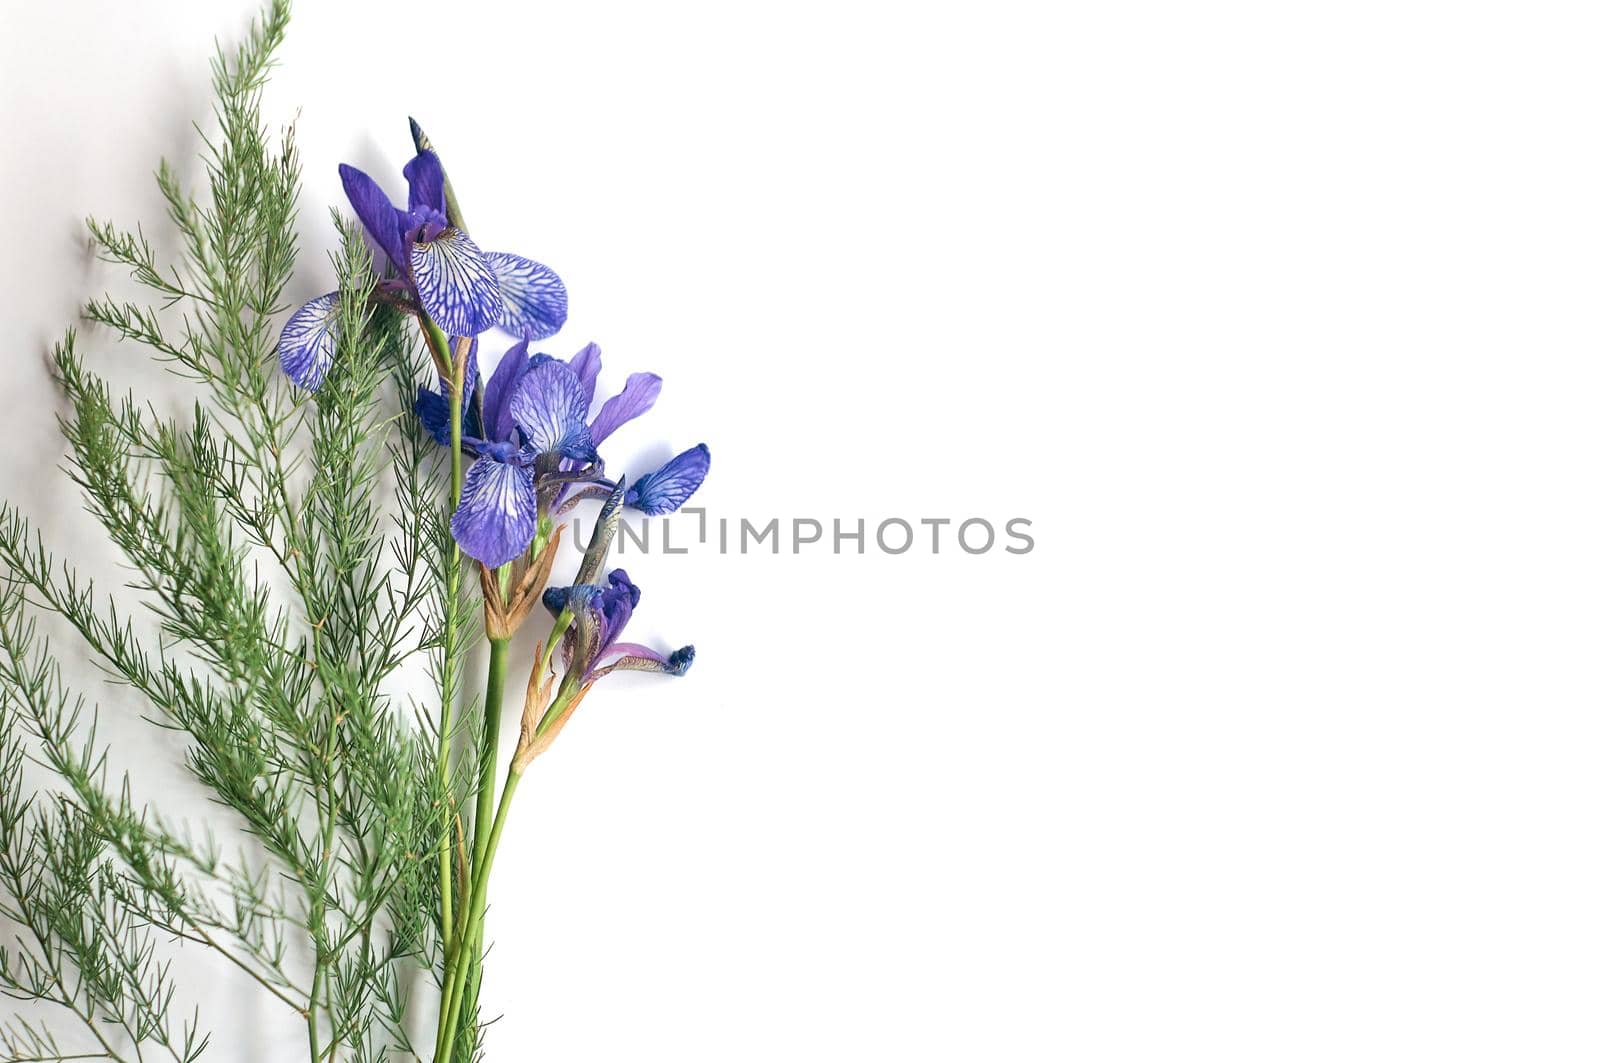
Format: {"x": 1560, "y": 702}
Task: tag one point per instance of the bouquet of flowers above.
{"x": 348, "y": 494}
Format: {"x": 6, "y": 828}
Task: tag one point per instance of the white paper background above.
{"x": 1278, "y": 321}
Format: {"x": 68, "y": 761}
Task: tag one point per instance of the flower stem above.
{"x": 472, "y": 936}
{"x": 457, "y": 385}
{"x": 498, "y": 649}
{"x": 311, "y": 1017}
{"x": 559, "y": 628}
{"x": 440, "y": 346}
{"x": 453, "y": 1006}
{"x": 484, "y": 832}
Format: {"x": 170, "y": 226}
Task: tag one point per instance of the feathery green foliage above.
{"x": 289, "y": 558}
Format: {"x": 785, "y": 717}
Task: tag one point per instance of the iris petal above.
{"x": 599, "y": 615}
{"x": 379, "y": 216}
{"x": 636, "y": 397}
{"x": 433, "y": 410}
{"x": 670, "y": 486}
{"x": 497, "y": 395}
{"x": 426, "y": 177}
{"x": 617, "y": 603}
{"x": 586, "y": 363}
{"x": 566, "y": 504}
{"x": 583, "y": 637}
{"x": 632, "y": 657}
{"x": 306, "y": 344}
{"x": 536, "y": 300}
{"x": 498, "y": 513}
{"x": 433, "y": 407}
{"x": 634, "y": 649}
{"x": 455, "y": 284}
{"x": 549, "y": 407}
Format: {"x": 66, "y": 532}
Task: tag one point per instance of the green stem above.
{"x": 557, "y": 629}
{"x": 489, "y": 755}
{"x": 457, "y": 383}
{"x": 483, "y": 833}
{"x": 311, "y": 1015}
{"x": 453, "y": 1005}
{"x": 472, "y": 936}
{"x": 447, "y": 672}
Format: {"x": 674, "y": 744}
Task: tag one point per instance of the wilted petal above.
{"x": 583, "y": 636}
{"x": 426, "y": 178}
{"x": 635, "y": 398}
{"x": 586, "y": 363}
{"x": 306, "y": 344}
{"x": 634, "y": 649}
{"x": 455, "y": 284}
{"x": 502, "y": 384}
{"x": 617, "y": 603}
{"x": 536, "y": 300}
{"x": 377, "y": 214}
{"x": 577, "y": 498}
{"x": 498, "y": 514}
{"x": 670, "y": 486}
{"x": 632, "y": 657}
{"x": 548, "y": 406}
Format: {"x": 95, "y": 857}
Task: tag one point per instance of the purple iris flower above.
{"x": 463, "y": 290}
{"x": 523, "y": 428}
{"x": 592, "y": 645}
{"x": 531, "y": 433}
